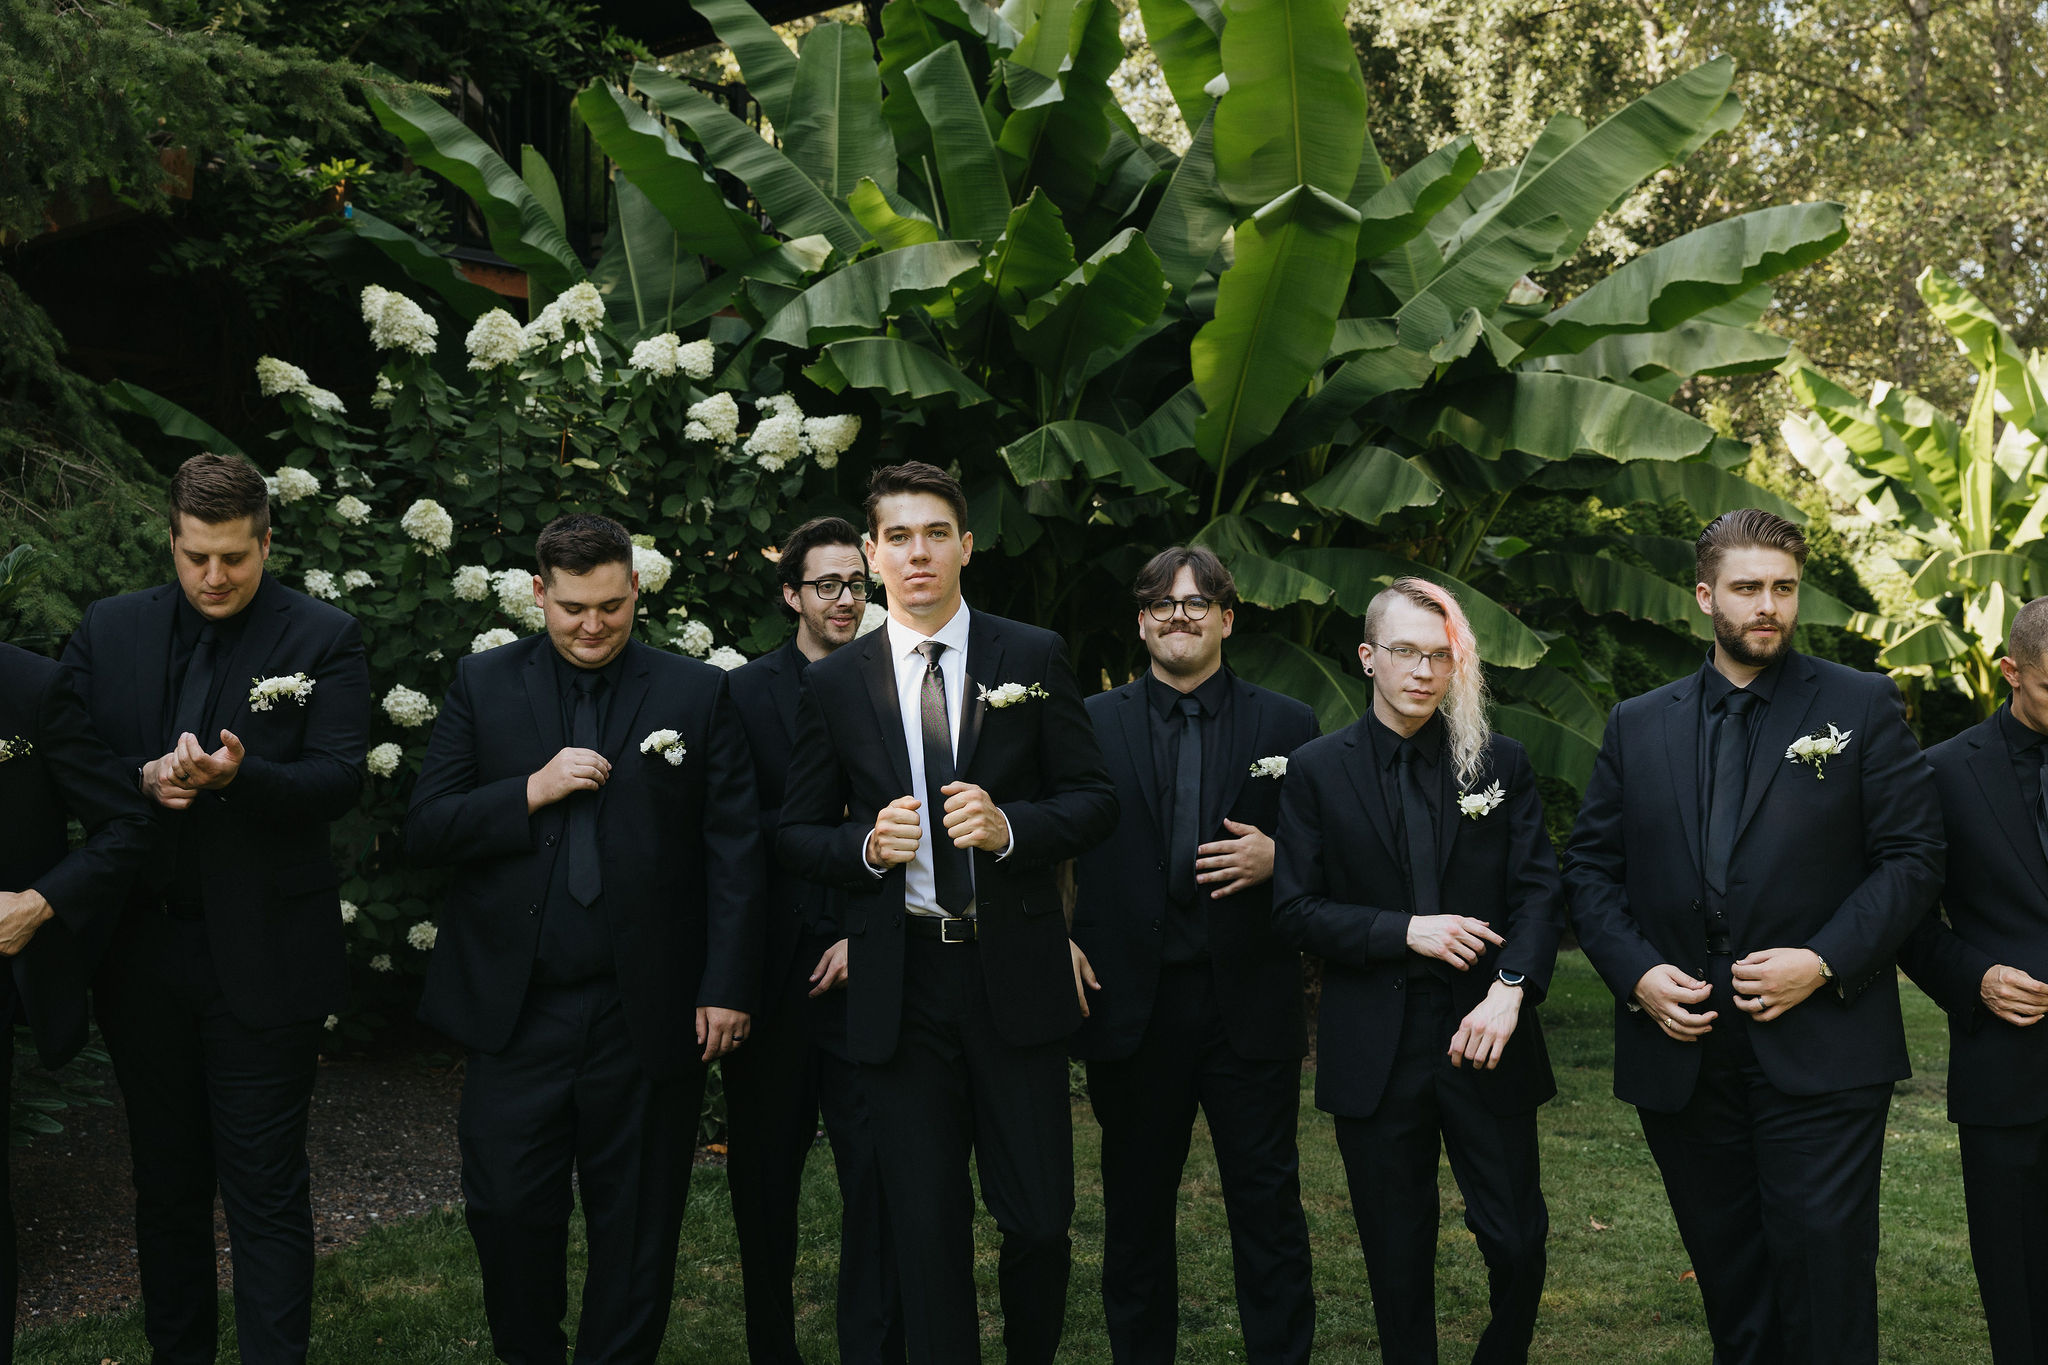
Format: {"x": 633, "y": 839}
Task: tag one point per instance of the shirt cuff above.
{"x": 876, "y": 872}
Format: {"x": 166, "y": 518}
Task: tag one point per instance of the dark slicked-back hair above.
{"x": 797, "y": 549}
{"x": 218, "y": 488}
{"x": 913, "y": 476}
{"x": 2027, "y": 642}
{"x": 1155, "y": 580}
{"x": 579, "y": 542}
{"x": 1748, "y": 528}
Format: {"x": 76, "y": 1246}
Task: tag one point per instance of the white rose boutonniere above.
{"x": 268, "y": 692}
{"x": 17, "y": 747}
{"x": 1273, "y": 766}
{"x": 1816, "y": 750}
{"x": 667, "y": 744}
{"x": 1473, "y": 805}
{"x": 1009, "y": 694}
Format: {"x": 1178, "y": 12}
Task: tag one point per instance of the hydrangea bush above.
{"x": 418, "y": 518}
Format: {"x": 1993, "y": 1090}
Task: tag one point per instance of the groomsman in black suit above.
{"x": 1412, "y": 859}
{"x": 1757, "y": 840}
{"x": 944, "y": 768}
{"x": 1201, "y": 1005}
{"x": 795, "y": 1062}
{"x": 57, "y": 905}
{"x": 599, "y": 949}
{"x": 1988, "y": 968}
{"x": 212, "y": 992}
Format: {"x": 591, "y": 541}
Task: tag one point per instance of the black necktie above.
{"x": 586, "y": 876}
{"x": 952, "y": 869}
{"x": 1420, "y": 828}
{"x": 2041, "y": 802}
{"x": 1731, "y": 776}
{"x": 1187, "y": 806}
{"x": 192, "y": 693}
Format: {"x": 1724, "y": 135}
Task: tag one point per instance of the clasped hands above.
{"x": 1767, "y": 983}
{"x": 1461, "y": 940}
{"x": 972, "y": 820}
{"x": 177, "y": 778}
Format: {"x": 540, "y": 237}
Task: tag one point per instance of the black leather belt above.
{"x": 950, "y": 929}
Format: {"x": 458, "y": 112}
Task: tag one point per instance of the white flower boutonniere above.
{"x": 268, "y": 692}
{"x": 668, "y": 744}
{"x": 1472, "y": 805}
{"x": 1009, "y": 694}
{"x": 1816, "y": 750}
{"x": 16, "y": 747}
{"x": 1274, "y": 765}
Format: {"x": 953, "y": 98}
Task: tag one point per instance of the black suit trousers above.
{"x": 211, "y": 1102}
{"x": 775, "y": 1087}
{"x": 1390, "y": 1164}
{"x": 1146, "y": 1105}
{"x": 954, "y": 1090}
{"x": 1776, "y": 1200}
{"x": 10, "y": 1271}
{"x": 568, "y": 1092}
{"x": 2005, "y": 1187}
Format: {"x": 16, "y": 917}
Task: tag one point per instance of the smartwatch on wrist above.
{"x": 1508, "y": 978}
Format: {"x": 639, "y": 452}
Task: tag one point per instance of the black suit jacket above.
{"x": 1338, "y": 891}
{"x": 1845, "y": 865}
{"x": 1037, "y": 759}
{"x": 65, "y": 772}
{"x": 1122, "y": 884}
{"x": 1996, "y": 898}
{"x": 680, "y": 846}
{"x": 273, "y": 914}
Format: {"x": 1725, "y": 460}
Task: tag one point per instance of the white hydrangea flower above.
{"x": 356, "y": 579}
{"x": 429, "y": 523}
{"x": 695, "y": 638}
{"x": 268, "y": 692}
{"x": 322, "y": 399}
{"x": 778, "y": 405}
{"x": 348, "y": 912}
{"x": 492, "y": 638}
{"x": 716, "y": 418}
{"x": 385, "y": 395}
{"x": 496, "y": 339}
{"x": 874, "y": 618}
{"x": 381, "y": 963}
{"x": 472, "y": 583}
{"x": 725, "y": 657}
{"x": 397, "y": 323}
{"x": 697, "y": 359}
{"x": 352, "y": 509}
{"x": 292, "y": 483}
{"x": 653, "y": 566}
{"x": 587, "y": 346}
{"x": 543, "y": 329}
{"x": 409, "y": 708}
{"x": 422, "y": 935}
{"x": 827, "y": 438}
{"x": 777, "y": 441}
{"x": 515, "y": 599}
{"x": 384, "y": 760}
{"x": 658, "y": 356}
{"x": 434, "y": 656}
{"x": 321, "y": 584}
{"x": 274, "y": 376}
{"x": 582, "y": 305}
{"x": 331, "y": 1023}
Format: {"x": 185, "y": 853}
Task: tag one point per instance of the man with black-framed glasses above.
{"x": 796, "y": 1063}
{"x": 1199, "y": 1005}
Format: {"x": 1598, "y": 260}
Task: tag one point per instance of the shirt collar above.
{"x": 2019, "y": 737}
{"x": 1715, "y": 687}
{"x": 903, "y": 641}
{"x": 1210, "y": 693}
{"x": 190, "y": 620}
{"x": 1428, "y": 741}
{"x": 566, "y": 672}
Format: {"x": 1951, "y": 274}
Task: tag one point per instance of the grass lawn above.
{"x": 409, "y": 1293}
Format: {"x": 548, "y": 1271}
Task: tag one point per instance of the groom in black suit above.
{"x": 795, "y": 1063}
{"x": 600, "y": 946}
{"x": 212, "y": 992}
{"x": 1987, "y": 966}
{"x": 1412, "y": 859}
{"x": 57, "y": 905}
{"x": 1201, "y": 1005}
{"x": 1757, "y": 841}
{"x": 944, "y": 768}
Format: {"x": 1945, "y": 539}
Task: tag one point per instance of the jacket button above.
{"x": 1160, "y": 865}
{"x": 1155, "y": 926}
{"x": 533, "y": 909}
{"x": 551, "y": 841}
{"x": 1397, "y": 983}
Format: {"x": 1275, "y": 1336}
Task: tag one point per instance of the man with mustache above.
{"x": 1757, "y": 840}
{"x": 796, "y": 1063}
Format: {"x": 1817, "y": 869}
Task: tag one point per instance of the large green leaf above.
{"x": 1555, "y": 750}
{"x": 897, "y": 367}
{"x": 520, "y": 228}
{"x": 1384, "y": 369}
{"x": 672, "y": 180}
{"x": 766, "y": 63}
{"x": 1093, "y": 315}
{"x": 1059, "y": 142}
{"x": 1933, "y": 643}
{"x": 1277, "y": 662}
{"x": 1477, "y": 279}
{"x": 1700, "y": 486}
{"x": 1688, "y": 275}
{"x": 836, "y": 134}
{"x": 977, "y": 196}
{"x": 540, "y": 179}
{"x": 1690, "y": 348}
{"x": 1555, "y": 417}
{"x": 1276, "y": 310}
{"x": 1988, "y": 345}
{"x": 1171, "y": 425}
{"x": 1033, "y": 254}
{"x": 169, "y": 418}
{"x": 1295, "y": 110}
{"x": 891, "y": 221}
{"x": 1369, "y": 483}
{"x": 1358, "y": 576}
{"x": 1055, "y": 449}
{"x": 1193, "y": 214}
{"x": 1398, "y": 214}
{"x": 1602, "y": 584}
{"x": 646, "y": 269}
{"x": 1560, "y": 695}
{"x": 858, "y": 298}
{"x": 793, "y": 202}
{"x": 1184, "y": 37}
{"x": 909, "y": 35}
{"x": 424, "y": 264}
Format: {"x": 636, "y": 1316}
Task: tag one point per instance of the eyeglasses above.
{"x": 828, "y": 589}
{"x": 1408, "y": 656}
{"x": 1161, "y": 609}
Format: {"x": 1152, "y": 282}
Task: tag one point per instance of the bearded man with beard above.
{"x": 1756, "y": 842}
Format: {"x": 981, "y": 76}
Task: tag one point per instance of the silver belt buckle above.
{"x": 946, "y": 929}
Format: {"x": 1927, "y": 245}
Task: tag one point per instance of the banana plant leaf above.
{"x": 1555, "y": 749}
{"x": 1691, "y": 348}
{"x": 1924, "y": 646}
{"x": 671, "y": 179}
{"x": 856, "y": 300}
{"x": 1371, "y": 482}
{"x": 2019, "y": 383}
{"x": 835, "y": 133}
{"x": 892, "y": 221}
{"x": 1193, "y": 214}
{"x": 1056, "y": 449}
{"x": 1706, "y": 490}
{"x": 1554, "y": 417}
{"x": 897, "y": 367}
{"x": 766, "y": 63}
{"x": 1184, "y": 35}
{"x": 646, "y": 269}
{"x": 1074, "y": 330}
{"x": 1295, "y": 110}
{"x": 424, "y": 264}
{"x": 1478, "y": 278}
{"x": 167, "y": 416}
{"x": 1033, "y": 254}
{"x": 1602, "y": 585}
{"x": 1059, "y": 142}
{"x": 977, "y": 196}
{"x": 1279, "y": 663}
{"x": 1559, "y": 695}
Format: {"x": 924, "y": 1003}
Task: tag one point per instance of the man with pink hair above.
{"x": 1412, "y": 859}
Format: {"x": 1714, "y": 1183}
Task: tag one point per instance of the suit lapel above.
{"x": 268, "y": 616}
{"x": 984, "y": 665}
{"x": 1447, "y": 822}
{"x": 1784, "y": 720}
{"x": 1133, "y": 726}
{"x": 782, "y": 684}
{"x": 544, "y": 697}
{"x": 878, "y": 666}
{"x": 634, "y": 680}
{"x": 1248, "y": 731}
{"x": 1991, "y": 765}
{"x": 150, "y": 669}
{"x": 1366, "y": 782}
{"x": 1682, "y": 753}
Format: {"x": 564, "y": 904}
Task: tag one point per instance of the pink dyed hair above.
{"x": 1464, "y": 704}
